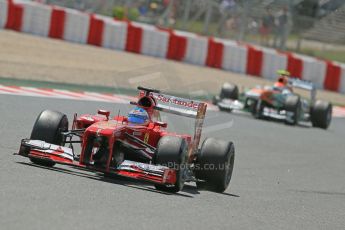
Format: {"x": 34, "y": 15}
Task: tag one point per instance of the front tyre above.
{"x": 172, "y": 152}
{"x": 293, "y": 109}
{"x": 48, "y": 127}
{"x": 215, "y": 164}
{"x": 321, "y": 114}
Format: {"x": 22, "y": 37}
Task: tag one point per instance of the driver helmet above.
{"x": 283, "y": 78}
{"x": 138, "y": 116}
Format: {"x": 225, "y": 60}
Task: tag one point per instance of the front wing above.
{"x": 156, "y": 174}
{"x": 229, "y": 104}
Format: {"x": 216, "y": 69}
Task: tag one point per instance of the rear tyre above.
{"x": 293, "y": 109}
{"x": 321, "y": 114}
{"x": 215, "y": 164}
{"x": 229, "y": 91}
{"x": 48, "y": 127}
{"x": 172, "y": 152}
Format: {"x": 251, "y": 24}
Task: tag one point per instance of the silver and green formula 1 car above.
{"x": 277, "y": 102}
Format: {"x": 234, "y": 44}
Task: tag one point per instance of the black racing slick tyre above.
{"x": 229, "y": 91}
{"x": 215, "y": 164}
{"x": 172, "y": 152}
{"x": 321, "y": 114}
{"x": 293, "y": 109}
{"x": 48, "y": 127}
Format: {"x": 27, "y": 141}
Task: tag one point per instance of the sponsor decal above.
{"x": 177, "y": 101}
{"x": 134, "y": 166}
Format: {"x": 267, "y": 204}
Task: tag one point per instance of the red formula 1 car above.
{"x": 146, "y": 152}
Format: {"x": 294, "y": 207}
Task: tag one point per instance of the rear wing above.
{"x": 184, "y": 107}
{"x": 175, "y": 105}
{"x": 306, "y": 85}
{"x": 179, "y": 106}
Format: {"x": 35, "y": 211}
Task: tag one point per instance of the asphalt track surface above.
{"x": 284, "y": 178}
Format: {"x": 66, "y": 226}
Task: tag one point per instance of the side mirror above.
{"x": 104, "y": 112}
{"x": 161, "y": 124}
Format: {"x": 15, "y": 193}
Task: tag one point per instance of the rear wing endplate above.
{"x": 306, "y": 85}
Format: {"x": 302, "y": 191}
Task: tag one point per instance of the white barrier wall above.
{"x": 197, "y": 48}
{"x": 76, "y": 26}
{"x": 154, "y": 42}
{"x": 272, "y": 61}
{"x": 234, "y": 57}
{"x": 313, "y": 70}
{"x": 36, "y": 19}
{"x": 342, "y": 79}
{"x": 114, "y": 34}
{"x": 3, "y": 13}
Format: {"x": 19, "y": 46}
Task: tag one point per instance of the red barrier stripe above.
{"x": 214, "y": 54}
{"x": 177, "y": 47}
{"x": 172, "y": 44}
{"x": 95, "y": 36}
{"x": 134, "y": 38}
{"x": 57, "y": 23}
{"x": 332, "y": 79}
{"x": 254, "y": 61}
{"x": 295, "y": 66}
{"x": 14, "y": 16}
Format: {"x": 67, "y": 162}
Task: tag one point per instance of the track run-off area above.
{"x": 284, "y": 177}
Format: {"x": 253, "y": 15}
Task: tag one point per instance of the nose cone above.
{"x": 105, "y": 128}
